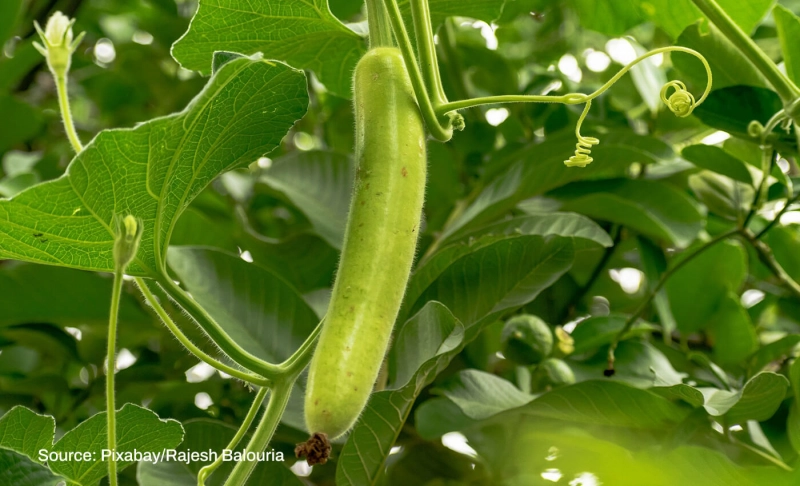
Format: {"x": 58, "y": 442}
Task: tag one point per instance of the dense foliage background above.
{"x": 702, "y": 393}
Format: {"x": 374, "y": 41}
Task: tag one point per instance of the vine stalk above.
{"x": 215, "y": 331}
{"x": 111, "y": 368}
{"x": 66, "y": 112}
{"x": 279, "y": 398}
{"x": 206, "y": 471}
{"x": 785, "y": 88}
{"x": 426, "y": 48}
{"x": 654, "y": 291}
{"x": 190, "y": 346}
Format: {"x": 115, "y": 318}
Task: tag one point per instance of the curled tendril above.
{"x": 681, "y": 102}
{"x": 755, "y": 129}
{"x": 763, "y": 132}
{"x": 583, "y": 148}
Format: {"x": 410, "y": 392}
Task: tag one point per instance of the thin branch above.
{"x": 768, "y": 159}
{"x": 598, "y": 270}
{"x": 768, "y": 259}
{"x": 663, "y": 280}
{"x": 777, "y": 217}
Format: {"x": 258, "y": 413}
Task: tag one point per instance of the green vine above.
{"x": 206, "y": 471}
{"x": 126, "y": 243}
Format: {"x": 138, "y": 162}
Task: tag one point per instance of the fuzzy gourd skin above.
{"x": 379, "y": 244}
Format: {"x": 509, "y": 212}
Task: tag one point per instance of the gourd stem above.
{"x": 66, "y": 113}
{"x": 437, "y": 130}
{"x": 206, "y": 471}
{"x": 578, "y": 98}
{"x": 278, "y": 400}
{"x": 190, "y": 346}
{"x": 783, "y": 86}
{"x": 216, "y": 333}
{"x": 426, "y": 49}
{"x": 111, "y": 367}
{"x": 380, "y": 30}
{"x": 300, "y": 359}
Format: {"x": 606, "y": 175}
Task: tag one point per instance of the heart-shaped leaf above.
{"x": 153, "y": 171}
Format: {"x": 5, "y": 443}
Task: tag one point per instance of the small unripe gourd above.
{"x": 526, "y": 340}
{"x": 551, "y": 373}
{"x": 379, "y": 244}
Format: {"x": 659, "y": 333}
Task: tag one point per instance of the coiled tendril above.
{"x": 584, "y": 146}
{"x": 681, "y": 102}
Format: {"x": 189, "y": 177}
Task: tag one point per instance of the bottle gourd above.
{"x": 379, "y": 244}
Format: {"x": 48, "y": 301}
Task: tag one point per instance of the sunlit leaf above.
{"x": 152, "y": 171}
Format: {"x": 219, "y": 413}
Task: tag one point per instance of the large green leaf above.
{"x": 784, "y": 241}
{"x": 615, "y": 17}
{"x": 305, "y": 260}
{"x": 481, "y": 395}
{"x": 696, "y": 290}
{"x": 303, "y": 34}
{"x": 210, "y": 435}
{"x": 37, "y": 293}
{"x": 423, "y": 348}
{"x": 538, "y": 168}
{"x": 597, "y": 331}
{"x": 732, "y": 109}
{"x": 18, "y": 470}
{"x": 138, "y": 429}
{"x": 152, "y": 171}
{"x": 719, "y": 161}
{"x": 758, "y": 400}
{"x": 788, "y": 25}
{"x": 653, "y": 208}
{"x": 732, "y": 331}
{"x": 320, "y": 185}
{"x": 481, "y": 280}
{"x": 584, "y": 232}
{"x": 611, "y": 17}
{"x": 637, "y": 363}
{"x": 607, "y": 403}
{"x": 24, "y": 431}
{"x": 263, "y": 313}
{"x": 486, "y": 10}
{"x": 722, "y": 195}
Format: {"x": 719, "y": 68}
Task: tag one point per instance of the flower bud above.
{"x": 58, "y": 30}
{"x": 58, "y": 43}
{"x": 126, "y": 242}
